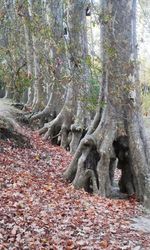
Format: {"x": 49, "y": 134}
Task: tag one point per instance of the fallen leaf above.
{"x": 104, "y": 243}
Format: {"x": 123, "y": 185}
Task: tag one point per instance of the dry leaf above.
{"x": 104, "y": 243}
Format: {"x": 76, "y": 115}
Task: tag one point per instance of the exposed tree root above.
{"x": 58, "y": 128}
{"x": 92, "y": 167}
{"x": 46, "y": 115}
{"x": 40, "y": 115}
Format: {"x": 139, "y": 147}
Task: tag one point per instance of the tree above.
{"x": 54, "y": 57}
{"x": 117, "y": 129}
{"x": 77, "y": 52}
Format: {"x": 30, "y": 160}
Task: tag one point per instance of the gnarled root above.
{"x": 90, "y": 167}
{"x": 70, "y": 172}
{"x": 51, "y": 129}
{"x": 40, "y": 115}
{"x": 58, "y": 130}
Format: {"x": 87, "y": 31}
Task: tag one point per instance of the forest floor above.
{"x": 39, "y": 211}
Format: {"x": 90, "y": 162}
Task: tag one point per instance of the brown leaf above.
{"x": 104, "y": 243}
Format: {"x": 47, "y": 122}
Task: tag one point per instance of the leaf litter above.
{"x": 40, "y": 211}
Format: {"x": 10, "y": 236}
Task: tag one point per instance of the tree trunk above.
{"x": 73, "y": 114}
{"x": 29, "y": 52}
{"x": 80, "y": 70}
{"x": 55, "y": 61}
{"x": 38, "y": 95}
{"x": 120, "y": 128}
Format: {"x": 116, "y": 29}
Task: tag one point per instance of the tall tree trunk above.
{"x": 38, "y": 98}
{"x": 29, "y": 52}
{"x": 74, "y": 111}
{"x": 120, "y": 128}
{"x": 79, "y": 68}
{"x": 55, "y": 59}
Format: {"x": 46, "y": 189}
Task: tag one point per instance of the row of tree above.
{"x": 47, "y": 63}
